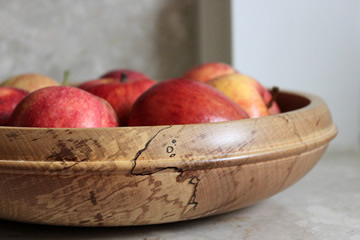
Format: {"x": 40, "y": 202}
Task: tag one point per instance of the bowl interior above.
{"x": 290, "y": 101}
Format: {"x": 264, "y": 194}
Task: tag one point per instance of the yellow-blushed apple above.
{"x": 30, "y": 81}
{"x": 247, "y": 92}
{"x": 207, "y": 71}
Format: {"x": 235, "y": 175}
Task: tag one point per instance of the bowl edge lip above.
{"x": 126, "y": 167}
{"x": 314, "y": 102}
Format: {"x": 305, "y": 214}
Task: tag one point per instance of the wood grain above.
{"x": 147, "y": 175}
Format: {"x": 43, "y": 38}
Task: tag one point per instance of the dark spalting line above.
{"x": 318, "y": 121}
{"x": 296, "y": 132}
{"x": 99, "y": 219}
{"x": 67, "y": 154}
{"x": 64, "y": 154}
{"x": 12, "y": 136}
{"x": 285, "y": 118}
{"x": 194, "y": 181}
{"x": 288, "y": 173}
{"x": 150, "y": 172}
{"x": 93, "y": 198}
{"x": 69, "y": 131}
{"x": 245, "y": 143}
{"x": 53, "y": 133}
{"x": 137, "y": 155}
{"x": 97, "y": 143}
{"x": 84, "y": 222}
{"x": 67, "y": 167}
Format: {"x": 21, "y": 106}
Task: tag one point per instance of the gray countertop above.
{"x": 325, "y": 204}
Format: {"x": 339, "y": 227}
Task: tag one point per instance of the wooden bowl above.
{"x": 148, "y": 175}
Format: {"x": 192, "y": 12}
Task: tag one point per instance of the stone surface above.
{"x": 323, "y": 205}
{"x": 156, "y": 37}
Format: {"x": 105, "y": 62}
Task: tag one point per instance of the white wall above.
{"x": 308, "y": 45}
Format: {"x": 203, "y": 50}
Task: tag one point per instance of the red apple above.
{"x": 206, "y": 71}
{"x": 120, "y": 93}
{"x": 9, "y": 98}
{"x": 118, "y": 74}
{"x": 89, "y": 84}
{"x": 30, "y": 81}
{"x": 247, "y": 92}
{"x": 63, "y": 107}
{"x": 115, "y": 76}
{"x": 183, "y": 101}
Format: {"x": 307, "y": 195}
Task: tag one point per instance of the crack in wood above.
{"x": 194, "y": 180}
{"x": 138, "y": 154}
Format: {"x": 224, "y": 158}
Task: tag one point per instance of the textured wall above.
{"x": 89, "y": 37}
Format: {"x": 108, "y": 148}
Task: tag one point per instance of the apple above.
{"x": 63, "y": 107}
{"x": 270, "y": 99}
{"x": 9, "y": 98}
{"x": 206, "y": 71}
{"x": 118, "y": 74}
{"x": 120, "y": 93}
{"x": 115, "y": 76}
{"x": 183, "y": 101}
{"x": 30, "y": 81}
{"x": 247, "y": 92}
{"x": 89, "y": 84}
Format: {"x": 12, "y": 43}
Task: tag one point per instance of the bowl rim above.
{"x": 127, "y": 166}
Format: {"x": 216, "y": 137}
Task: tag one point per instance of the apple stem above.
{"x": 66, "y": 78}
{"x": 274, "y": 94}
{"x": 123, "y": 77}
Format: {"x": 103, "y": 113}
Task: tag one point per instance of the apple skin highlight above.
{"x": 120, "y": 88}
{"x": 183, "y": 101}
{"x": 63, "y": 107}
{"x": 9, "y": 99}
{"x": 207, "y": 71}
